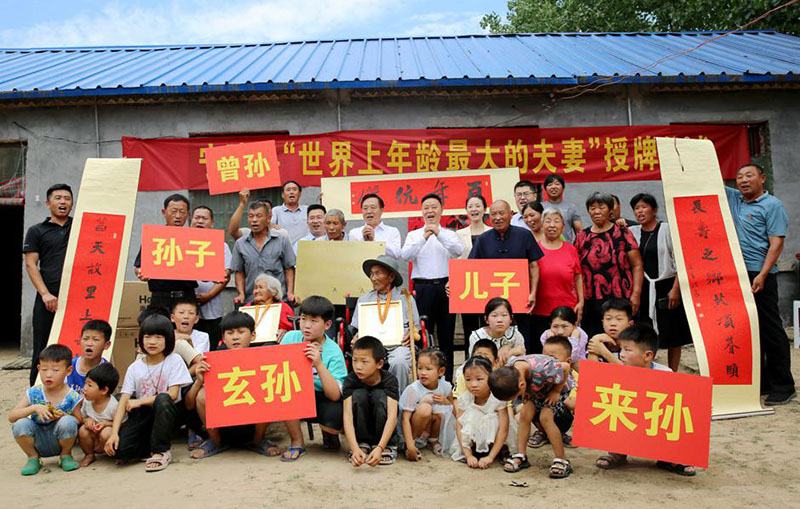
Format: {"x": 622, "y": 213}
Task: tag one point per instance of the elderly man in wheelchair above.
{"x": 386, "y": 289}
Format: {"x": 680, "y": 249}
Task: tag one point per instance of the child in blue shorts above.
{"x": 45, "y": 422}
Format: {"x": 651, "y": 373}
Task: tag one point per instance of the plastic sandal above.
{"x": 68, "y": 463}
{"x": 209, "y": 448}
{"x": 32, "y": 466}
{"x": 611, "y": 460}
{"x": 195, "y": 441}
{"x": 538, "y": 439}
{"x": 388, "y": 456}
{"x": 289, "y": 453}
{"x": 566, "y": 439}
{"x": 436, "y": 447}
{"x": 363, "y": 447}
{"x": 156, "y": 464}
{"x": 263, "y": 447}
{"x": 560, "y": 468}
{"x": 677, "y": 468}
{"x": 510, "y": 466}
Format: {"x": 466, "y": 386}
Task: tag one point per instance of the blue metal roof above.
{"x": 475, "y": 60}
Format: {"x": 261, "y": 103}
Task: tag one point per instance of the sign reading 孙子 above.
{"x": 473, "y": 282}
{"x": 659, "y": 415}
{"x": 261, "y": 384}
{"x": 231, "y": 168}
{"x": 173, "y": 252}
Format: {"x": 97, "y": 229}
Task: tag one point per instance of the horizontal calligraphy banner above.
{"x": 581, "y": 154}
{"x": 402, "y": 196}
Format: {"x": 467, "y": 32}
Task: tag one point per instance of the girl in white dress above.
{"x": 427, "y": 407}
{"x": 483, "y": 428}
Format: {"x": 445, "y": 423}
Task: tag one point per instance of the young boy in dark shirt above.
{"x": 370, "y": 406}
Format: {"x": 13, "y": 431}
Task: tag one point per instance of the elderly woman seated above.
{"x": 386, "y": 280}
{"x": 267, "y": 291}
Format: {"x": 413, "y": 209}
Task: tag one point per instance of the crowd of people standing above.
{"x": 581, "y": 280}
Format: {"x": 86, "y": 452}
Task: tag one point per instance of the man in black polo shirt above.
{"x": 512, "y": 242}
{"x": 45, "y": 247}
{"x": 166, "y": 291}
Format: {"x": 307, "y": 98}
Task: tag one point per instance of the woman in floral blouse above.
{"x": 611, "y": 262}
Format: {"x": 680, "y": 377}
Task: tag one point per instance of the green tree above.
{"x": 641, "y": 15}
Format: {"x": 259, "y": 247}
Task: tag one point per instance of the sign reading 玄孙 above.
{"x": 231, "y": 168}
{"x": 473, "y": 282}
{"x": 261, "y": 384}
{"x": 643, "y": 412}
{"x": 172, "y": 252}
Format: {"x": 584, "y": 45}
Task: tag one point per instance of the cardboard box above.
{"x": 123, "y": 350}
{"x": 135, "y": 298}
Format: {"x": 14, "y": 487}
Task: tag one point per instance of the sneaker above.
{"x": 779, "y": 399}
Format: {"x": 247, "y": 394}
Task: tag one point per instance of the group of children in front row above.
{"x": 499, "y": 393}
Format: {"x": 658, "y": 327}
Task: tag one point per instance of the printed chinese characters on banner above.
{"x": 231, "y": 168}
{"x": 172, "y": 252}
{"x": 718, "y": 300}
{"x": 643, "y": 412}
{"x": 260, "y": 384}
{"x": 473, "y": 282}
{"x": 581, "y": 154}
{"x": 94, "y": 275}
{"x": 405, "y": 194}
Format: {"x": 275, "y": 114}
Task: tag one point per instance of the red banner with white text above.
{"x": 580, "y": 154}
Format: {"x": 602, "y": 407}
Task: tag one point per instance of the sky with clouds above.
{"x": 38, "y": 23}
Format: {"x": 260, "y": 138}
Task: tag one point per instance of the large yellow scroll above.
{"x": 402, "y": 193}
{"x": 715, "y": 288}
{"x": 94, "y": 266}
{"x": 333, "y": 269}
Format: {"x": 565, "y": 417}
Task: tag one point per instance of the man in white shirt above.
{"x": 430, "y": 248}
{"x": 291, "y": 216}
{"x": 374, "y": 229}
{"x": 524, "y": 191}
{"x": 209, "y": 293}
{"x": 316, "y": 224}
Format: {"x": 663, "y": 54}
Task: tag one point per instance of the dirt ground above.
{"x": 753, "y": 462}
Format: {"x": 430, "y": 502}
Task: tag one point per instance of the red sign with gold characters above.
{"x": 718, "y": 300}
{"x": 403, "y": 195}
{"x": 231, "y": 168}
{"x": 261, "y": 384}
{"x": 173, "y": 252}
{"x": 643, "y": 412}
{"x": 473, "y": 282}
{"x": 94, "y": 275}
{"x": 581, "y": 154}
